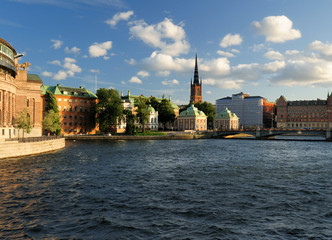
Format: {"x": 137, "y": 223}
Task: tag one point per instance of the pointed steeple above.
{"x": 196, "y": 78}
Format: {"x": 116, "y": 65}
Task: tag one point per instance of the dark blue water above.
{"x": 199, "y": 189}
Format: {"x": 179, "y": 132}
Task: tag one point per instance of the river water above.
{"x": 178, "y": 189}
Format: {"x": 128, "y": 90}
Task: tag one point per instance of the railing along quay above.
{"x": 34, "y": 139}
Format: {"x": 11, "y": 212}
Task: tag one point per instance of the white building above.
{"x": 249, "y": 109}
{"x": 152, "y": 123}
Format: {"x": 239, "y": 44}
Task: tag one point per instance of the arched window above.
{"x": 197, "y": 91}
{"x": 27, "y": 102}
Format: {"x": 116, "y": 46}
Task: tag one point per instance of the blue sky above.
{"x": 261, "y": 47}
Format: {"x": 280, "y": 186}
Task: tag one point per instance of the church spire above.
{"x": 196, "y": 78}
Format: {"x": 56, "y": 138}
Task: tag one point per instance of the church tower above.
{"x": 196, "y": 86}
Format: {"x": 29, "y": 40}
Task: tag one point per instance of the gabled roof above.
{"x": 226, "y": 114}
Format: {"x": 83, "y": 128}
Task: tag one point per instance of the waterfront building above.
{"x": 76, "y": 108}
{"x": 152, "y": 123}
{"x": 226, "y": 120}
{"x": 18, "y": 91}
{"x": 192, "y": 119}
{"x": 196, "y": 86}
{"x": 252, "y": 111}
{"x": 311, "y": 114}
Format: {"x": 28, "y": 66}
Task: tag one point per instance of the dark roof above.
{"x": 34, "y": 78}
{"x": 307, "y": 102}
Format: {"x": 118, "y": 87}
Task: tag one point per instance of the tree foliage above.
{"x": 51, "y": 122}
{"x": 130, "y": 122}
{"x": 109, "y": 109}
{"x": 165, "y": 112}
{"x": 142, "y": 115}
{"x": 52, "y": 102}
{"x": 209, "y": 110}
{"x": 23, "y": 121}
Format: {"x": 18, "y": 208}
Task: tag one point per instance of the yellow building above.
{"x": 226, "y": 120}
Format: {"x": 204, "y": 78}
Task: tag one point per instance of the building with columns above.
{"x": 18, "y": 91}
{"x": 226, "y": 120}
{"x": 192, "y": 119}
{"x": 196, "y": 87}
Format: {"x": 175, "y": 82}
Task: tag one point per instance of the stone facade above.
{"x": 76, "y": 108}
{"x": 18, "y": 91}
{"x": 192, "y": 119}
{"x": 307, "y": 114}
{"x": 226, "y": 120}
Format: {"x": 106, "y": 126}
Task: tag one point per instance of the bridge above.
{"x": 272, "y": 132}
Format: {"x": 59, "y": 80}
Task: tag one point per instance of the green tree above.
{"x": 52, "y": 119}
{"x": 109, "y": 109}
{"x": 209, "y": 110}
{"x": 52, "y": 102}
{"x": 142, "y": 115}
{"x": 23, "y": 121}
{"x": 130, "y": 122}
{"x": 153, "y": 101}
{"x": 51, "y": 122}
{"x": 165, "y": 112}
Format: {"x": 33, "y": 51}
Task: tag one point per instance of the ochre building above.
{"x": 76, "y": 108}
{"x": 309, "y": 114}
{"x": 18, "y": 91}
{"x": 226, "y": 120}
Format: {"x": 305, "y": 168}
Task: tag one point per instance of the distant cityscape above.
{"x": 22, "y": 91}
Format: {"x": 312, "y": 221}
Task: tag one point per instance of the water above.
{"x": 196, "y": 189}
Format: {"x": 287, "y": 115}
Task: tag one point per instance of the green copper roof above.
{"x": 68, "y": 91}
{"x": 34, "y": 77}
{"x": 150, "y": 109}
{"x": 192, "y": 111}
{"x": 226, "y": 114}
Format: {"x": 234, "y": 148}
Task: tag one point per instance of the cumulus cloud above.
{"x": 208, "y": 92}
{"x": 143, "y": 74}
{"x": 74, "y": 50}
{"x": 170, "y": 82}
{"x": 274, "y": 55}
{"x": 135, "y": 79}
{"x": 224, "y": 83}
{"x": 94, "y": 70}
{"x": 118, "y": 17}
{"x": 324, "y": 49}
{"x": 225, "y": 54}
{"x": 69, "y": 68}
{"x": 46, "y": 74}
{"x": 56, "y": 43}
{"x": 230, "y": 40}
{"x": 166, "y": 36}
{"x": 276, "y": 29}
{"x": 100, "y": 49}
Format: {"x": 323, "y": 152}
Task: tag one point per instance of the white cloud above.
{"x": 208, "y": 92}
{"x": 123, "y": 82}
{"x": 225, "y": 54}
{"x": 324, "y": 49}
{"x": 231, "y": 40}
{"x": 100, "y": 49}
{"x": 131, "y": 61}
{"x": 276, "y": 29}
{"x": 106, "y": 57}
{"x": 55, "y": 62}
{"x": 170, "y": 82}
{"x": 56, "y": 43}
{"x": 47, "y": 74}
{"x": 163, "y": 73}
{"x": 292, "y": 52}
{"x": 69, "y": 64}
{"x": 135, "y": 79}
{"x": 224, "y": 83}
{"x": 274, "y": 55}
{"x": 235, "y": 51}
{"x": 257, "y": 47}
{"x": 273, "y": 67}
{"x": 118, "y": 17}
{"x": 60, "y": 75}
{"x": 166, "y": 36}
{"x": 143, "y": 74}
{"x": 74, "y": 50}
{"x": 94, "y": 70}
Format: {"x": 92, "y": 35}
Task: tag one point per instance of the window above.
{"x": 75, "y": 100}
{"x": 75, "y": 108}
{"x": 65, "y": 116}
{"x": 70, "y": 100}
{"x": 27, "y": 102}
{"x": 70, "y": 117}
{"x": 59, "y": 108}
{"x": 197, "y": 91}
{"x": 70, "y": 108}
{"x": 65, "y": 99}
{"x": 46, "y": 108}
{"x": 59, "y": 99}
{"x": 65, "y": 108}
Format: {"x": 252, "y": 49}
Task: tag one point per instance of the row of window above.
{"x": 70, "y": 109}
{"x": 307, "y": 125}
{"x": 70, "y": 117}
{"x": 75, "y": 124}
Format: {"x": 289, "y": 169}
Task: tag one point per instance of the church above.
{"x": 196, "y": 87}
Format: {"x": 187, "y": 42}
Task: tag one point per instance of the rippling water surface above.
{"x": 199, "y": 189}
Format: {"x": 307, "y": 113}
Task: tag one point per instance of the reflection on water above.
{"x": 198, "y": 189}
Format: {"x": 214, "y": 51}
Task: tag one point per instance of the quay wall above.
{"x": 10, "y": 149}
{"x": 162, "y": 137}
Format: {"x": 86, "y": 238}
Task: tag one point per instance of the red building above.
{"x": 311, "y": 114}
{"x": 196, "y": 87}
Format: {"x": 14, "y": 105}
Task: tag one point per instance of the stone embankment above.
{"x": 30, "y": 146}
{"x": 169, "y": 136}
